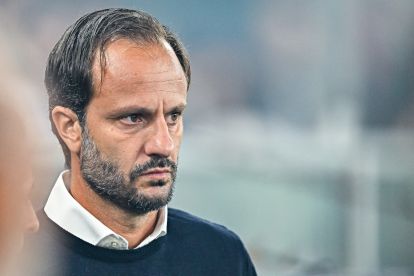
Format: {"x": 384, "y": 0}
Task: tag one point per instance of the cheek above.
{"x": 177, "y": 138}
{"x": 116, "y": 146}
{"x": 126, "y": 152}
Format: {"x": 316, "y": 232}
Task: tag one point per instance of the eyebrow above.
{"x": 144, "y": 111}
{"x": 128, "y": 110}
{"x": 178, "y": 108}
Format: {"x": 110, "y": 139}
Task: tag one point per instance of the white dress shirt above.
{"x": 66, "y": 212}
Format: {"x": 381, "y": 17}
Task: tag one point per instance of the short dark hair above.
{"x": 68, "y": 75}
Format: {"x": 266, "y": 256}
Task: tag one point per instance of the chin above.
{"x": 156, "y": 190}
{"x": 144, "y": 184}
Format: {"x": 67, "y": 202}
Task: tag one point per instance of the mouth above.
{"x": 157, "y": 173}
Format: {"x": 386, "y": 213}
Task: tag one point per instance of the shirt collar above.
{"x": 66, "y": 212}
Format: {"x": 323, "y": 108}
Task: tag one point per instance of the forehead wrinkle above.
{"x": 144, "y": 96}
{"x": 175, "y": 85}
{"x": 143, "y": 82}
{"x": 136, "y": 78}
{"x": 178, "y": 85}
{"x": 155, "y": 73}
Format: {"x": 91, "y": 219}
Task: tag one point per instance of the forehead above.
{"x": 132, "y": 68}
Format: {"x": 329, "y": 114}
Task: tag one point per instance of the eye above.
{"x": 173, "y": 117}
{"x": 132, "y": 119}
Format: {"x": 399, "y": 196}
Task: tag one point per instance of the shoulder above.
{"x": 187, "y": 223}
{"x": 213, "y": 241}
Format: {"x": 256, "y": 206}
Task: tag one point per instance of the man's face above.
{"x": 134, "y": 125}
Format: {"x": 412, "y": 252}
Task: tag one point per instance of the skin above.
{"x": 135, "y": 113}
{"x": 17, "y": 216}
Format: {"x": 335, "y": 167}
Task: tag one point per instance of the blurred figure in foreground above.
{"x": 16, "y": 212}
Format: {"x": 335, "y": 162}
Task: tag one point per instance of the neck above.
{"x": 134, "y": 228}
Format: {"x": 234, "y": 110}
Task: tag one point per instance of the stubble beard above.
{"x": 106, "y": 179}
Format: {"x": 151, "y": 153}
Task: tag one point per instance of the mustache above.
{"x": 153, "y": 163}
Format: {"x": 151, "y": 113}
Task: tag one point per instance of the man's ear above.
{"x": 68, "y": 127}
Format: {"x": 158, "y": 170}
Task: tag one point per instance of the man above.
{"x": 117, "y": 83}
{"x": 17, "y": 216}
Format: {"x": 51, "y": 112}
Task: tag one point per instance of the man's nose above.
{"x": 32, "y": 223}
{"x": 159, "y": 141}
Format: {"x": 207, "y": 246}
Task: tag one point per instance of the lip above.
{"x": 157, "y": 173}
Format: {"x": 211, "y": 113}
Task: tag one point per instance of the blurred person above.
{"x": 17, "y": 216}
{"x": 117, "y": 82}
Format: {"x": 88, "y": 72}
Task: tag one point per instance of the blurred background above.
{"x": 300, "y": 127}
